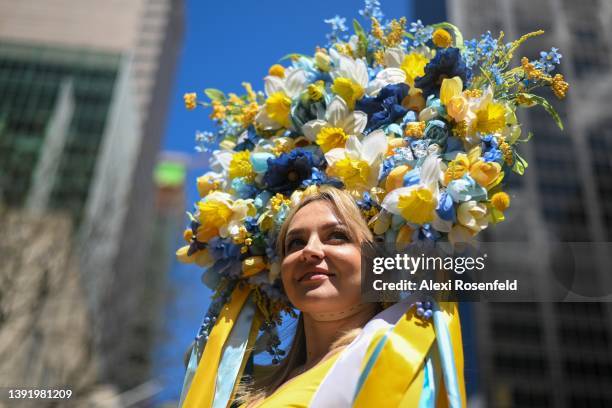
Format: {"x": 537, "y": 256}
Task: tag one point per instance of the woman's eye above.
{"x": 293, "y": 243}
{"x": 339, "y": 235}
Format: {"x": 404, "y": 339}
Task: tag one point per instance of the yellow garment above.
{"x": 298, "y": 391}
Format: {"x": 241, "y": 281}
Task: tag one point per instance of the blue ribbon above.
{"x": 368, "y": 367}
{"x": 447, "y": 358}
{"x": 428, "y": 395}
{"x": 232, "y": 356}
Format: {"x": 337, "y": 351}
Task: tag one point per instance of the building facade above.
{"x": 85, "y": 88}
{"x": 551, "y": 354}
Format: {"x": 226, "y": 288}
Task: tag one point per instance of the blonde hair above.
{"x": 346, "y": 210}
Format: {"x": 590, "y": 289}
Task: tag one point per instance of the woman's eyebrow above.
{"x": 324, "y": 226}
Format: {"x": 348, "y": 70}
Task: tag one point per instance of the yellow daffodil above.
{"x": 417, "y": 203}
{"x": 280, "y": 91}
{"x": 340, "y": 123}
{"x": 240, "y": 165}
{"x": 208, "y": 182}
{"x": 358, "y": 163}
{"x": 219, "y": 211}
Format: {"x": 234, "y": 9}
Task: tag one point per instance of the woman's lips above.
{"x": 314, "y": 276}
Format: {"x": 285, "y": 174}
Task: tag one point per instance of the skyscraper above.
{"x": 85, "y": 86}
{"x": 553, "y": 354}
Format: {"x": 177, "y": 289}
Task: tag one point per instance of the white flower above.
{"x": 337, "y": 116}
{"x": 358, "y": 163}
{"x": 473, "y": 215}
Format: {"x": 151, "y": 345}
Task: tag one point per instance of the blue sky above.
{"x": 225, "y": 44}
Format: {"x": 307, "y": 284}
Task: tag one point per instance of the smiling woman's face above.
{"x": 321, "y": 271}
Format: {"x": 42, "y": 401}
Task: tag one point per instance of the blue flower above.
{"x": 248, "y": 141}
{"x": 372, "y": 9}
{"x": 319, "y": 177}
{"x": 421, "y": 33}
{"x": 549, "y": 60}
{"x": 445, "y": 209}
{"x": 289, "y": 170}
{"x": 338, "y": 26}
{"x": 384, "y": 108}
{"x": 447, "y": 63}
{"x": 493, "y": 155}
{"x": 387, "y": 165}
{"x": 367, "y": 202}
{"x": 243, "y": 188}
{"x": 466, "y": 189}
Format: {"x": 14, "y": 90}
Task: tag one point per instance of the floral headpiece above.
{"x": 417, "y": 124}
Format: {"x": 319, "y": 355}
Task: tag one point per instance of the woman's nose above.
{"x": 313, "y": 250}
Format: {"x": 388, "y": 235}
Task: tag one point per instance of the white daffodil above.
{"x": 417, "y": 203}
{"x": 276, "y": 112}
{"x": 351, "y": 79}
{"x": 340, "y": 122}
{"x": 358, "y": 163}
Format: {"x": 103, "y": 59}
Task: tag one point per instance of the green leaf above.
{"x": 454, "y": 30}
{"x": 527, "y": 138}
{"x": 549, "y": 108}
{"x": 363, "y": 38}
{"x": 214, "y": 94}
{"x": 520, "y": 164}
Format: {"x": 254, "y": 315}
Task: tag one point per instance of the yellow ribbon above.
{"x": 399, "y": 362}
{"x": 202, "y": 390}
{"x": 396, "y": 379}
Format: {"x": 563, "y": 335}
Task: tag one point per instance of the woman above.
{"x": 320, "y": 247}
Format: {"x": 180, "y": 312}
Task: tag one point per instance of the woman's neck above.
{"x": 320, "y": 335}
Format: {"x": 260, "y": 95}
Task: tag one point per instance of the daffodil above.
{"x": 358, "y": 163}
{"x": 218, "y": 212}
{"x": 280, "y": 91}
{"x": 340, "y": 123}
{"x": 200, "y": 257}
{"x": 417, "y": 202}
{"x": 473, "y": 215}
{"x": 351, "y": 81}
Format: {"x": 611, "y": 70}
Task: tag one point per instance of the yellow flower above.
{"x": 395, "y": 178}
{"x": 491, "y": 118}
{"x": 278, "y": 107}
{"x": 316, "y": 91}
{"x": 201, "y": 257}
{"x": 206, "y": 184}
{"x": 214, "y": 214}
{"x": 219, "y": 111}
{"x": 330, "y": 138}
{"x": 418, "y": 206}
{"x": 188, "y": 235}
{"x": 253, "y": 265}
{"x": 414, "y": 129}
{"x": 348, "y": 90}
{"x": 235, "y": 99}
{"x": 394, "y": 143}
{"x": 322, "y": 61}
{"x": 396, "y": 34}
{"x": 501, "y": 201}
{"x": 404, "y": 237}
{"x": 559, "y": 86}
{"x": 277, "y": 70}
{"x": 450, "y": 88}
{"x": 457, "y": 108}
{"x": 442, "y": 38}
{"x": 251, "y": 96}
{"x": 240, "y": 165}
{"x": 248, "y": 114}
{"x": 414, "y": 67}
{"x": 472, "y": 215}
{"x": 457, "y": 168}
{"x": 206, "y": 232}
{"x": 377, "y": 31}
{"x": 190, "y": 100}
{"x": 485, "y": 173}
{"x": 353, "y": 172}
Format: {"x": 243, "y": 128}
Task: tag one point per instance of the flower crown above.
{"x": 417, "y": 124}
